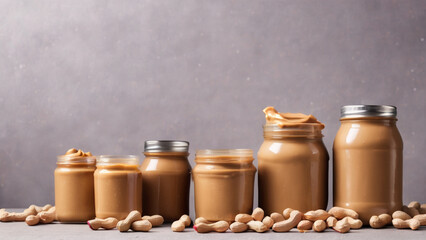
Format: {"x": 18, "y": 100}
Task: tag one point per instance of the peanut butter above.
{"x": 223, "y": 183}
{"x": 118, "y": 186}
{"x": 166, "y": 179}
{"x": 74, "y": 189}
{"x": 367, "y": 163}
{"x": 292, "y": 163}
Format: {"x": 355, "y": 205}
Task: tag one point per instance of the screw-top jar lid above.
{"x": 349, "y": 111}
{"x": 166, "y": 146}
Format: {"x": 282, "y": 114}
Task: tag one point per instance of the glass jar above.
{"x": 166, "y": 179}
{"x": 118, "y": 186}
{"x": 74, "y": 189}
{"x": 293, "y": 168}
{"x": 223, "y": 183}
{"x": 367, "y": 163}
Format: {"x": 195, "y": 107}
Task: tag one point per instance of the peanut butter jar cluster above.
{"x": 117, "y": 192}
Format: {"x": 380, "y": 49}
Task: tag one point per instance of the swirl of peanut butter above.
{"x": 289, "y": 119}
{"x": 77, "y": 153}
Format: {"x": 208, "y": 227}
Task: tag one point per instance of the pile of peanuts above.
{"x": 33, "y": 215}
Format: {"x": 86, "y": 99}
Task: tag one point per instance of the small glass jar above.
{"x": 293, "y": 168}
{"x": 223, "y": 183}
{"x": 118, "y": 186}
{"x": 367, "y": 161}
{"x": 166, "y": 179}
{"x": 74, "y": 189}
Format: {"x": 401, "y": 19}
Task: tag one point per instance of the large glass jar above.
{"x": 118, "y": 186}
{"x": 166, "y": 177}
{"x": 367, "y": 165}
{"x": 223, "y": 183}
{"x": 293, "y": 168}
{"x": 74, "y": 191}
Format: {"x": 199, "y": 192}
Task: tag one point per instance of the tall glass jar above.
{"x": 293, "y": 168}
{"x": 367, "y": 163}
{"x": 74, "y": 189}
{"x": 223, "y": 183}
{"x": 118, "y": 186}
{"x": 166, "y": 177}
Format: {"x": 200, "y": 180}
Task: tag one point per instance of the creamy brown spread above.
{"x": 288, "y": 119}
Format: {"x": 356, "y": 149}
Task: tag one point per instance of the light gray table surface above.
{"x": 20, "y": 230}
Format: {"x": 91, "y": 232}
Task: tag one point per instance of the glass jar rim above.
{"x": 117, "y": 159}
{"x": 65, "y": 159}
{"x": 239, "y": 152}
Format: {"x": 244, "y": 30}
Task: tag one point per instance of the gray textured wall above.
{"x": 107, "y": 75}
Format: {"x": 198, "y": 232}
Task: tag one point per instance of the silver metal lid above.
{"x": 166, "y": 146}
{"x": 367, "y": 111}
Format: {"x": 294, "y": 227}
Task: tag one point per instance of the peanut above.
{"x": 258, "y": 214}
{"x": 319, "y": 226}
{"x": 42, "y": 217}
{"x": 401, "y": 215}
{"x": 291, "y": 222}
{"x": 243, "y": 218}
{"x": 304, "y": 225}
{"x": 354, "y": 223}
{"x": 257, "y": 226}
{"x": 414, "y": 204}
{"x": 410, "y": 211}
{"x": 238, "y": 227}
{"x": 277, "y": 217}
{"x": 220, "y": 226}
{"x": 179, "y": 225}
{"x": 202, "y": 220}
{"x": 32, "y": 220}
{"x": 141, "y": 226}
{"x": 410, "y": 223}
{"x": 124, "y": 225}
{"x": 331, "y": 221}
{"x": 155, "y": 220}
{"x": 286, "y": 212}
{"x": 421, "y": 218}
{"x": 316, "y": 215}
{"x": 380, "y": 221}
{"x": 12, "y": 216}
{"x": 342, "y": 226}
{"x": 268, "y": 221}
{"x": 107, "y": 223}
{"x": 44, "y": 208}
{"x": 340, "y": 213}
{"x": 422, "y": 209}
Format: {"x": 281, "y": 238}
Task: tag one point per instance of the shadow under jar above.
{"x": 293, "y": 168}
{"x": 166, "y": 177}
{"x": 74, "y": 189}
{"x": 118, "y": 186}
{"x": 223, "y": 183}
{"x": 367, "y": 155}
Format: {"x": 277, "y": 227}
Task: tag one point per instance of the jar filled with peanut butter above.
{"x": 118, "y": 186}
{"x": 367, "y": 161}
{"x": 166, "y": 177}
{"x": 74, "y": 189}
{"x": 292, "y": 163}
{"x": 223, "y": 183}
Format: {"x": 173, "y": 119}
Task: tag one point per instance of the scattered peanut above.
{"x": 141, "y": 226}
{"x": 339, "y": 213}
{"x": 342, "y": 226}
{"x": 291, "y": 222}
{"x": 380, "y": 221}
{"x": 41, "y": 209}
{"x": 354, "y": 223}
{"x": 179, "y": 225}
{"x": 414, "y": 204}
{"x": 316, "y": 215}
{"x": 286, "y": 212}
{"x": 12, "y": 216}
{"x": 422, "y": 209}
{"x": 268, "y": 221}
{"x": 257, "y": 226}
{"x": 331, "y": 221}
{"x": 155, "y": 220}
{"x": 304, "y": 225}
{"x": 277, "y": 217}
{"x": 202, "y": 220}
{"x": 401, "y": 215}
{"x": 421, "y": 218}
{"x": 220, "y": 226}
{"x": 410, "y": 211}
{"x": 410, "y": 223}
{"x": 243, "y": 218}
{"x": 238, "y": 227}
{"x": 42, "y": 217}
{"x": 258, "y": 214}
{"x": 107, "y": 223}
{"x": 32, "y": 220}
{"x": 124, "y": 225}
{"x": 319, "y": 226}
